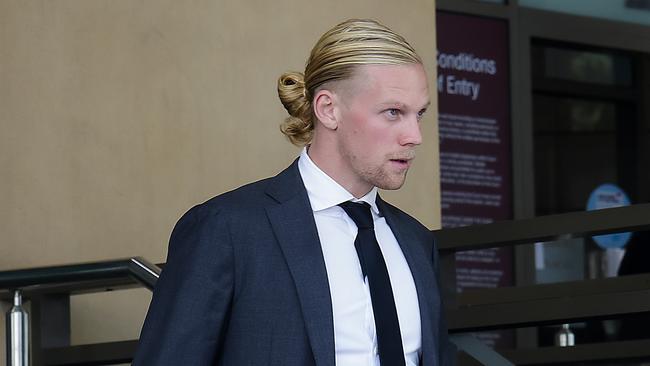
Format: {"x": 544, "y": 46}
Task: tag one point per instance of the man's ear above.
{"x": 325, "y": 108}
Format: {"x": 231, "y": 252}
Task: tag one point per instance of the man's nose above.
{"x": 411, "y": 134}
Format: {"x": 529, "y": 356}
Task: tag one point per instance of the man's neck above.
{"x": 332, "y": 165}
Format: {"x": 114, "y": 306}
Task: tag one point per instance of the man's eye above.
{"x": 393, "y": 112}
{"x": 421, "y": 113}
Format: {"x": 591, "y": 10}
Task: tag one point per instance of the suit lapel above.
{"x": 295, "y": 229}
{"x": 423, "y": 276}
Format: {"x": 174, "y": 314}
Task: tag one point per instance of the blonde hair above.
{"x": 335, "y": 57}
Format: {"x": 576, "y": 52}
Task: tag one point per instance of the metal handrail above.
{"x": 15, "y": 284}
{"x": 544, "y": 228}
{"x": 68, "y": 278}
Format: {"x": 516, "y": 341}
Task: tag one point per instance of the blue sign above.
{"x": 608, "y": 196}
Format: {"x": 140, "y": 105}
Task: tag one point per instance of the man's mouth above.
{"x": 402, "y": 162}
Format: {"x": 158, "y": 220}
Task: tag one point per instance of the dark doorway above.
{"x": 588, "y": 130}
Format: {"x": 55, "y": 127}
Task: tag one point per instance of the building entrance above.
{"x": 588, "y": 131}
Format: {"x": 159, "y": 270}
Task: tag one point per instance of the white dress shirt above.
{"x": 355, "y": 339}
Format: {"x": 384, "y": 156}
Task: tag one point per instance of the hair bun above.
{"x": 292, "y": 93}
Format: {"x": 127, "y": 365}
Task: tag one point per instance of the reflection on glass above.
{"x": 587, "y": 66}
{"x": 573, "y": 115}
{"x": 575, "y": 150}
{"x": 560, "y": 261}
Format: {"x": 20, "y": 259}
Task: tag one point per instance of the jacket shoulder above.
{"x": 256, "y": 194}
{"x": 246, "y": 195}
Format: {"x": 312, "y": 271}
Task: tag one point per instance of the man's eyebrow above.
{"x": 401, "y": 105}
{"x": 392, "y": 104}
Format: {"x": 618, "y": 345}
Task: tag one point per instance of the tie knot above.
{"x": 360, "y": 213}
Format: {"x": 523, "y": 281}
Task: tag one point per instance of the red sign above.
{"x": 474, "y": 125}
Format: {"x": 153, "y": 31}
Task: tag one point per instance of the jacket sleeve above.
{"x": 189, "y": 311}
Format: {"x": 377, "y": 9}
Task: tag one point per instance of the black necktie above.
{"x": 389, "y": 339}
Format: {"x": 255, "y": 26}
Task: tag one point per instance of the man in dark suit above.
{"x": 312, "y": 267}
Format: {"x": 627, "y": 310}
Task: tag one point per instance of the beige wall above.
{"x": 117, "y": 116}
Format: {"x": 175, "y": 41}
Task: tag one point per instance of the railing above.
{"x": 559, "y": 303}
{"x": 49, "y": 289}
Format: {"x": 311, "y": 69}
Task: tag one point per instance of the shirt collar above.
{"x": 323, "y": 191}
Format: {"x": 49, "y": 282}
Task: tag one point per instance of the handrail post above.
{"x": 17, "y": 333}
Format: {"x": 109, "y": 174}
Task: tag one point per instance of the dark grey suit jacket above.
{"x": 245, "y": 283}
